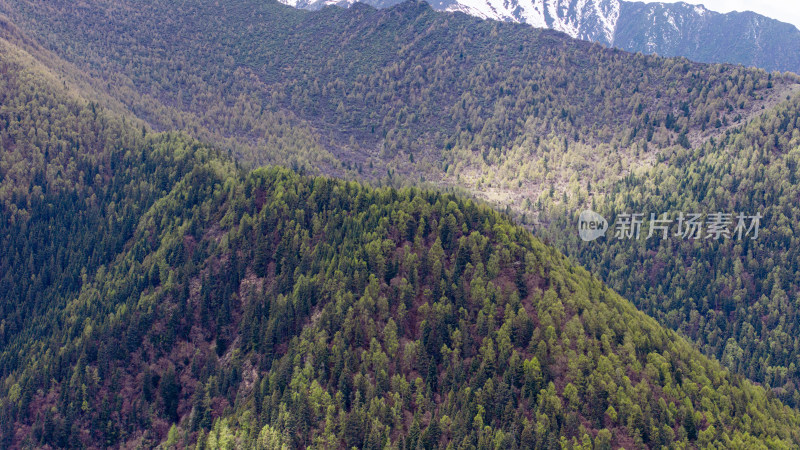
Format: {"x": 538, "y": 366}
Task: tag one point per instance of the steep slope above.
{"x": 737, "y": 298}
{"x": 410, "y": 92}
{"x": 679, "y": 29}
{"x": 76, "y": 186}
{"x": 276, "y": 309}
{"x": 65, "y": 211}
{"x": 501, "y": 110}
{"x": 671, "y": 29}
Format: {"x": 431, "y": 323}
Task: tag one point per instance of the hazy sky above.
{"x": 783, "y": 10}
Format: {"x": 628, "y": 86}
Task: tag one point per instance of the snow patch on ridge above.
{"x": 485, "y": 9}
{"x": 608, "y": 14}
{"x": 593, "y": 20}
{"x": 700, "y": 10}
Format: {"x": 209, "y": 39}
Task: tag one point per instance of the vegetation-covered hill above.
{"x": 153, "y": 292}
{"x": 737, "y": 299}
{"x": 503, "y": 110}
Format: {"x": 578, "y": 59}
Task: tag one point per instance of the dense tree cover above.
{"x": 522, "y": 117}
{"x": 428, "y": 321}
{"x": 65, "y": 209}
{"x": 269, "y": 309}
{"x": 737, "y": 299}
{"x": 504, "y": 110}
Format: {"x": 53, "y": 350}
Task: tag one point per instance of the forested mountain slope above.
{"x": 737, "y": 298}
{"x": 500, "y": 109}
{"x": 202, "y": 302}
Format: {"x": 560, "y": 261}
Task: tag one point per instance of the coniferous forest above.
{"x": 241, "y": 225}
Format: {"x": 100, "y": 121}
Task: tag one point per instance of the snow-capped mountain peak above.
{"x": 593, "y": 20}
{"x": 583, "y": 19}
{"x": 669, "y": 29}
